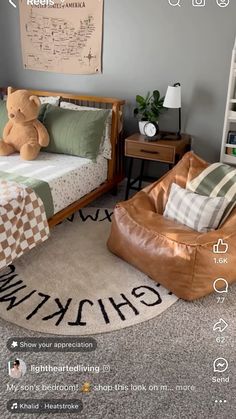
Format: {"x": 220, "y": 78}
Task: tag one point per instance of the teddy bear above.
{"x": 23, "y": 132}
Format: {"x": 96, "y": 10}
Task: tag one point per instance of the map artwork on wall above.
{"x": 65, "y": 37}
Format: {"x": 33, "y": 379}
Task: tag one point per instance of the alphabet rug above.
{"x": 73, "y": 285}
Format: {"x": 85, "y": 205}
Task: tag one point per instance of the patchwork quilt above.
{"x": 23, "y": 221}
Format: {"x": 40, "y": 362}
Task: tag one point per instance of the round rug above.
{"x": 73, "y": 285}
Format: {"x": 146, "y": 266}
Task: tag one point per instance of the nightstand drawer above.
{"x": 149, "y": 151}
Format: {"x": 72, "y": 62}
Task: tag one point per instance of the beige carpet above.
{"x": 72, "y": 285}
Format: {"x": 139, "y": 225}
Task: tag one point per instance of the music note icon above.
{"x": 14, "y": 406}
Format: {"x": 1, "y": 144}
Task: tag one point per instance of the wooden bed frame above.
{"x": 115, "y": 166}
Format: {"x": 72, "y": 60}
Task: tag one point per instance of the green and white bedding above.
{"x": 31, "y": 192}
{"x": 68, "y": 178}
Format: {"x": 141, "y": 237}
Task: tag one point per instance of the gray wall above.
{"x": 147, "y": 45}
{"x": 3, "y": 48}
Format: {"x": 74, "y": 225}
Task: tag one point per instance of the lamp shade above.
{"x": 173, "y": 97}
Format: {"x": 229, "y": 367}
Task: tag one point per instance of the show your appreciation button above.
{"x": 44, "y": 406}
{"x": 52, "y": 344}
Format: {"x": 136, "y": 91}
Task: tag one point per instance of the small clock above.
{"x": 151, "y": 129}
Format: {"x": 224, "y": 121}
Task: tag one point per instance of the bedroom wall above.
{"x": 148, "y": 44}
{"x": 2, "y": 53}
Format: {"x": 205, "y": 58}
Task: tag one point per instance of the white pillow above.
{"x": 52, "y": 100}
{"x": 201, "y": 213}
{"x": 105, "y": 147}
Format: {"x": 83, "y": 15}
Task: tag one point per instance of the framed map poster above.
{"x": 65, "y": 37}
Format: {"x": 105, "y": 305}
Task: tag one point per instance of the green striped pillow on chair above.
{"x": 201, "y": 213}
{"x": 217, "y": 180}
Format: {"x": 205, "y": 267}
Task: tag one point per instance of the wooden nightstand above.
{"x": 163, "y": 150}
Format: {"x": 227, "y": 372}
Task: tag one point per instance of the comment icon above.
{"x": 221, "y": 286}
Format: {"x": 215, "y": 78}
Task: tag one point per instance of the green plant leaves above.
{"x": 156, "y": 95}
{"x": 140, "y": 100}
{"x": 150, "y": 107}
{"x": 148, "y": 97}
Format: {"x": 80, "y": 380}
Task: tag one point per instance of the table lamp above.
{"x": 173, "y": 101}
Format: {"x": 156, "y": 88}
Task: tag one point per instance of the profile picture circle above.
{"x": 17, "y": 368}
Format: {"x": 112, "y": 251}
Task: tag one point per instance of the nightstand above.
{"x": 166, "y": 150}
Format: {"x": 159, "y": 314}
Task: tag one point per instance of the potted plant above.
{"x": 149, "y": 108}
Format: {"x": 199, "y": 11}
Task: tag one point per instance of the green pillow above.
{"x": 3, "y": 116}
{"x": 42, "y": 111}
{"x": 75, "y": 133}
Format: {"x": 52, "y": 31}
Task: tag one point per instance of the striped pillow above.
{"x": 198, "y": 212}
{"x": 218, "y": 179}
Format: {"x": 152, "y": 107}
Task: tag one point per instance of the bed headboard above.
{"x": 116, "y": 164}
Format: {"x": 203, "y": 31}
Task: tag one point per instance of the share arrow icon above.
{"x": 220, "y": 326}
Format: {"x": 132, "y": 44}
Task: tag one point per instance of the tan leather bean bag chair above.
{"x": 179, "y": 258}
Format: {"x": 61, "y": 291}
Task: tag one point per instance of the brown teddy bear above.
{"x": 23, "y": 132}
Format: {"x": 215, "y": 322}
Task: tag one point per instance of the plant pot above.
{"x": 142, "y": 125}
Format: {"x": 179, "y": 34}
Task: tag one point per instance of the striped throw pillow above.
{"x": 198, "y": 212}
{"x": 217, "y": 180}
